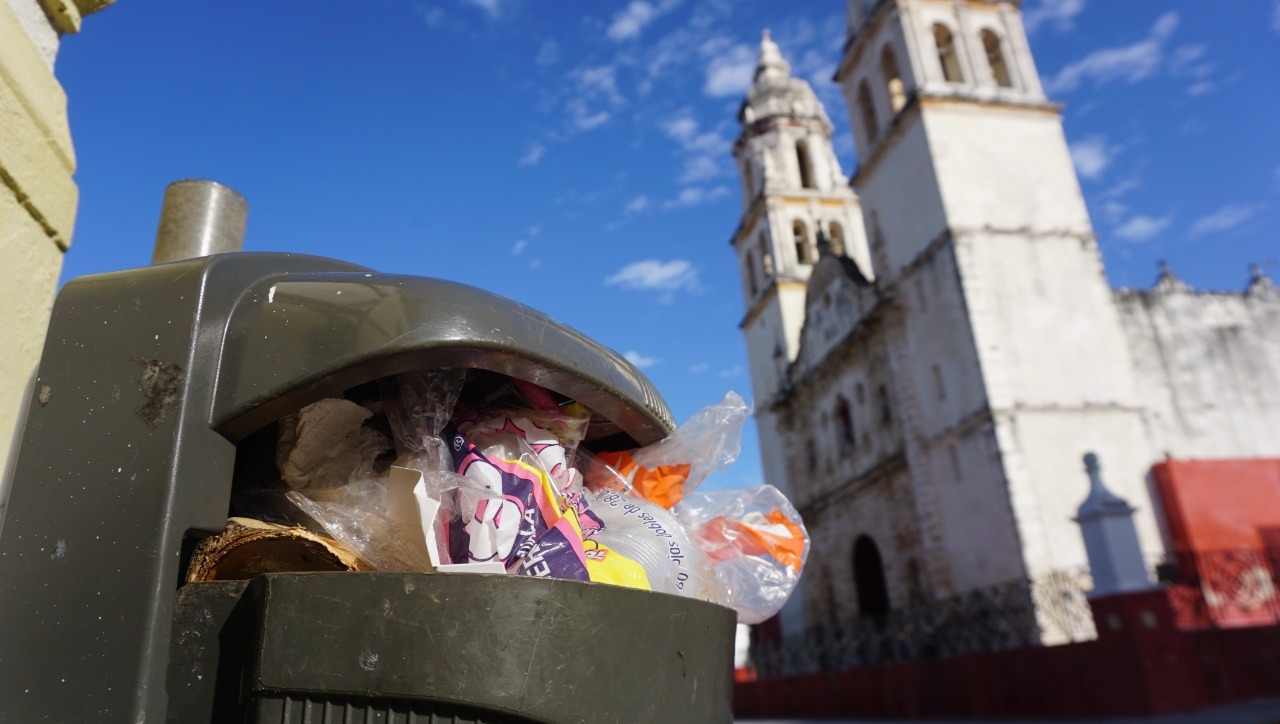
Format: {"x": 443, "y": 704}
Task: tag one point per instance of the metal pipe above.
{"x": 199, "y": 218}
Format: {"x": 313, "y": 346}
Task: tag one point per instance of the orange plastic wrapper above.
{"x": 735, "y": 537}
{"x": 663, "y": 485}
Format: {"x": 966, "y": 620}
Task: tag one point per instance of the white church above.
{"x": 934, "y": 345}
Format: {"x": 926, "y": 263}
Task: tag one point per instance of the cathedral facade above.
{"x": 932, "y": 354}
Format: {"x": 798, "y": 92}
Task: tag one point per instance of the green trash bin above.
{"x": 148, "y": 381}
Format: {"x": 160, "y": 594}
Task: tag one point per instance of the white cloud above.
{"x": 518, "y": 247}
{"x": 596, "y": 86}
{"x": 700, "y": 368}
{"x": 706, "y": 150}
{"x": 699, "y": 168}
{"x": 1141, "y": 228}
{"x": 535, "y": 230}
{"x": 548, "y": 53}
{"x": 1092, "y": 155}
{"x": 1060, "y": 13}
{"x": 629, "y": 22}
{"x": 489, "y": 6}
{"x": 652, "y": 274}
{"x": 600, "y": 80}
{"x": 1130, "y": 63}
{"x": 1123, "y": 187}
{"x": 1114, "y": 211}
{"x": 734, "y": 371}
{"x": 636, "y": 205}
{"x": 533, "y": 155}
{"x": 1185, "y": 56}
{"x": 695, "y": 196}
{"x": 1199, "y": 89}
{"x": 432, "y": 16}
{"x": 1224, "y": 219}
{"x": 640, "y": 360}
{"x": 730, "y": 71}
{"x": 584, "y": 121}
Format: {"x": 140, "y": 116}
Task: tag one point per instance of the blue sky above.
{"x": 575, "y": 156}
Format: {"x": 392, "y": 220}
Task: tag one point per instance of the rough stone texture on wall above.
{"x": 1208, "y": 367}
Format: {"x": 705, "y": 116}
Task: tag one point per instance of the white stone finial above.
{"x": 771, "y": 64}
{"x": 1110, "y": 538}
{"x": 1259, "y": 283}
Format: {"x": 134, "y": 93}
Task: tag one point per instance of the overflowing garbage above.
{"x": 419, "y": 476}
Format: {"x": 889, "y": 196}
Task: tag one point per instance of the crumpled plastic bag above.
{"x": 666, "y": 471}
{"x": 756, "y": 543}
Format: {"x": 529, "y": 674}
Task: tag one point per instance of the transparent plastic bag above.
{"x": 358, "y": 521}
{"x": 756, "y": 542}
{"x": 424, "y": 406}
{"x": 644, "y": 532}
{"x": 666, "y": 471}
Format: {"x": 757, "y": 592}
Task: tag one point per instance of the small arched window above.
{"x": 836, "y": 238}
{"x": 892, "y": 80}
{"x": 947, "y": 53}
{"x": 805, "y": 164}
{"x": 886, "y": 413}
{"x": 995, "y": 59}
{"x": 868, "y": 109}
{"x": 800, "y": 234}
{"x": 766, "y": 257}
{"x": 868, "y": 578}
{"x": 844, "y": 420}
{"x": 752, "y": 284}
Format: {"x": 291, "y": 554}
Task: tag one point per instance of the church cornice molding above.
{"x": 919, "y": 99}
{"x": 768, "y": 124}
{"x": 882, "y": 472}
{"x": 749, "y": 218}
{"x": 766, "y": 295}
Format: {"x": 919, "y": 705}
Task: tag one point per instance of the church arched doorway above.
{"x": 868, "y": 578}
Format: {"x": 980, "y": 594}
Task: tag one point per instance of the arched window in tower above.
{"x": 995, "y": 59}
{"x": 752, "y": 285}
{"x": 835, "y": 237}
{"x": 892, "y": 80}
{"x": 868, "y": 578}
{"x": 844, "y": 423}
{"x": 947, "y": 53}
{"x": 800, "y": 235}
{"x": 766, "y": 256}
{"x": 868, "y": 110}
{"x": 805, "y": 164}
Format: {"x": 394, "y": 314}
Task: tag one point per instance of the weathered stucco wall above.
{"x": 1208, "y": 367}
{"x": 37, "y": 194}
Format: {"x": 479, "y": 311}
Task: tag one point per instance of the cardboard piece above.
{"x": 409, "y": 504}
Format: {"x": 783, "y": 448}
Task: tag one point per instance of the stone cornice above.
{"x": 892, "y": 463}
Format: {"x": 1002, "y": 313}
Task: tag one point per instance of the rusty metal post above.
{"x": 199, "y": 218}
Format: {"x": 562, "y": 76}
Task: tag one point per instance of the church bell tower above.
{"x": 1013, "y": 347}
{"x": 796, "y": 205}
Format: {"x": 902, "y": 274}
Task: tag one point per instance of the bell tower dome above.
{"x": 795, "y": 198}
{"x": 796, "y": 203}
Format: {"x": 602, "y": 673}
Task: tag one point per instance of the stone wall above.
{"x": 1208, "y": 367}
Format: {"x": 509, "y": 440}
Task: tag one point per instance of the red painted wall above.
{"x": 1141, "y": 665}
{"x": 1213, "y": 505}
{"x": 1224, "y": 522}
